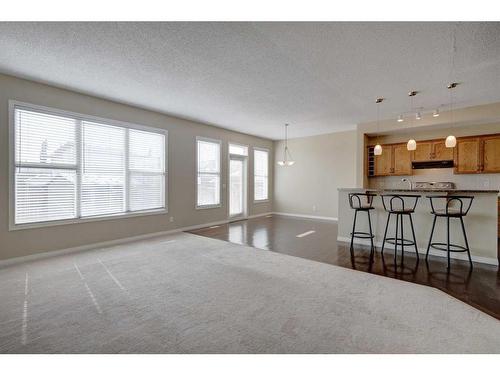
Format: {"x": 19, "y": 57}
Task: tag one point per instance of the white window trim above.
{"x": 82, "y": 117}
{"x": 253, "y": 174}
{"x": 207, "y": 206}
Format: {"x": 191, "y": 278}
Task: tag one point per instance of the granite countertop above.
{"x": 448, "y": 191}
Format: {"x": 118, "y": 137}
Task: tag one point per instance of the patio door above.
{"x": 237, "y": 187}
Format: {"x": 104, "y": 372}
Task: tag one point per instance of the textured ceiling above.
{"x": 253, "y": 77}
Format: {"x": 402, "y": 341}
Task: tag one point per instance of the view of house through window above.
{"x": 261, "y": 174}
{"x": 208, "y": 172}
{"x": 68, "y": 168}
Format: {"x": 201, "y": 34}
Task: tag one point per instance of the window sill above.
{"x": 159, "y": 211}
{"x": 261, "y": 201}
{"x": 207, "y": 207}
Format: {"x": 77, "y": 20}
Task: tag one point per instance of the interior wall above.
{"x": 323, "y": 164}
{"x": 181, "y": 172}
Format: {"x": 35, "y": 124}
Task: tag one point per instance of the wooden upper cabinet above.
{"x": 423, "y": 151}
{"x": 394, "y": 161}
{"x": 491, "y": 154}
{"x": 402, "y": 160}
{"x": 441, "y": 152}
{"x": 383, "y": 163}
{"x": 468, "y": 155}
{"x": 432, "y": 150}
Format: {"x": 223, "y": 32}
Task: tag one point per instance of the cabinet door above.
{"x": 441, "y": 152}
{"x": 383, "y": 163}
{"x": 491, "y": 154}
{"x": 423, "y": 151}
{"x": 467, "y": 155}
{"x": 402, "y": 160}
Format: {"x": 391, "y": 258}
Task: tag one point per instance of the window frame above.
{"x": 253, "y": 174}
{"x": 13, "y": 104}
{"x": 196, "y": 173}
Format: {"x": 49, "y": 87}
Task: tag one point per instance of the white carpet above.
{"x": 200, "y": 295}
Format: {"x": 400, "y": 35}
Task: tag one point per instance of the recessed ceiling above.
{"x": 254, "y": 77}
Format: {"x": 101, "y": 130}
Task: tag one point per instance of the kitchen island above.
{"x": 480, "y": 222}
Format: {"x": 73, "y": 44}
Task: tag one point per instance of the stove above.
{"x": 434, "y": 185}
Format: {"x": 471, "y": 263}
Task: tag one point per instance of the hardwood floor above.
{"x": 479, "y": 288}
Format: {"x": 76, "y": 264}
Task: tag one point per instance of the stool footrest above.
{"x": 400, "y": 241}
{"x": 443, "y": 247}
{"x": 362, "y": 235}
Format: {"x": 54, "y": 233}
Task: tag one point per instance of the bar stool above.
{"x": 401, "y": 205}
{"x": 450, "y": 207}
{"x": 362, "y": 202}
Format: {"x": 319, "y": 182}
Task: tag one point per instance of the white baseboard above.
{"x": 96, "y": 245}
{"x": 329, "y": 218}
{"x": 378, "y": 245}
{"x": 259, "y": 215}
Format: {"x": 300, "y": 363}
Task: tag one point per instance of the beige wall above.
{"x": 181, "y": 189}
{"x": 323, "y": 164}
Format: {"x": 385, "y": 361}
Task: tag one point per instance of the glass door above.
{"x": 237, "y": 187}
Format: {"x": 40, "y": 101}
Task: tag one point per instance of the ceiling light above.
{"x": 435, "y": 113}
{"x": 400, "y": 118}
{"x": 450, "y": 141}
{"x": 412, "y": 144}
{"x": 287, "y": 157}
{"x": 378, "y": 148}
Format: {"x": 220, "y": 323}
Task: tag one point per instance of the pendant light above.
{"x": 451, "y": 141}
{"x": 287, "y": 156}
{"x": 378, "y": 148}
{"x": 412, "y": 144}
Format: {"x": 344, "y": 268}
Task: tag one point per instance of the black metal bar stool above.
{"x": 362, "y": 202}
{"x": 400, "y": 205}
{"x": 450, "y": 207}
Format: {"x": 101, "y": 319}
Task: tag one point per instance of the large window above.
{"x": 208, "y": 172}
{"x": 70, "y": 167}
{"x": 261, "y": 174}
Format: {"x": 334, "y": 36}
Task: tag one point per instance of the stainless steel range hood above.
{"x": 432, "y": 164}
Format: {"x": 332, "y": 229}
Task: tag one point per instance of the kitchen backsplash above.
{"x": 462, "y": 181}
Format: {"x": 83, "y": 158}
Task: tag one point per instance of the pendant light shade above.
{"x": 287, "y": 160}
{"x": 377, "y": 150}
{"x": 400, "y": 118}
{"x": 411, "y": 145}
{"x": 450, "y": 141}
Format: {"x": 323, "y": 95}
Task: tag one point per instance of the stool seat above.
{"x": 452, "y": 212}
{"x": 401, "y": 211}
{"x": 364, "y": 208}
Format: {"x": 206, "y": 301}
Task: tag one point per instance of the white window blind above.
{"x": 67, "y": 167}
{"x": 46, "y": 167}
{"x": 261, "y": 174}
{"x": 208, "y": 173}
{"x": 147, "y": 170}
{"x": 103, "y": 169}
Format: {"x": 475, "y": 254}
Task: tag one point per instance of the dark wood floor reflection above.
{"x": 479, "y": 288}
